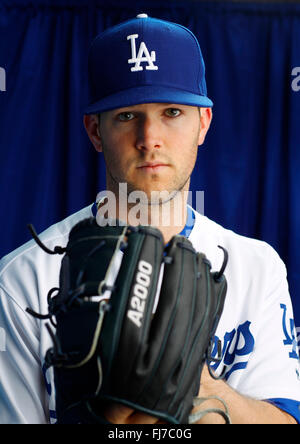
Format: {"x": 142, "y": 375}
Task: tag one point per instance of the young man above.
{"x": 148, "y": 114}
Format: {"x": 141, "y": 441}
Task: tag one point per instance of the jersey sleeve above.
{"x": 26, "y": 276}
{"x": 24, "y": 393}
{"x": 22, "y": 389}
{"x": 272, "y": 371}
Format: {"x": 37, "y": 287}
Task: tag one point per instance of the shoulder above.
{"x": 253, "y": 255}
{"x": 255, "y": 273}
{"x": 28, "y": 270}
{"x": 53, "y": 234}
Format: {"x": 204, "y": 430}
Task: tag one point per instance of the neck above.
{"x": 169, "y": 215}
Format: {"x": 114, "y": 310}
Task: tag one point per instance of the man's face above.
{"x": 151, "y": 147}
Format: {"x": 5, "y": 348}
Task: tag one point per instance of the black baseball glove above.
{"x": 113, "y": 341}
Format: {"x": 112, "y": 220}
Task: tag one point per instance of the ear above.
{"x": 205, "y": 120}
{"x": 92, "y": 128}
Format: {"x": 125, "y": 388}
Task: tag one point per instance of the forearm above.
{"x": 241, "y": 409}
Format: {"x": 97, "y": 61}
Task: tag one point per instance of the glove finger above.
{"x": 128, "y": 321}
{"x": 170, "y": 327}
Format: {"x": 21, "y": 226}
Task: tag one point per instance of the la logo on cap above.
{"x": 142, "y": 56}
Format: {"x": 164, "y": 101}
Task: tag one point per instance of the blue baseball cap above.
{"x": 145, "y": 60}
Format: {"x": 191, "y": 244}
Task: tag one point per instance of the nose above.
{"x": 149, "y": 134}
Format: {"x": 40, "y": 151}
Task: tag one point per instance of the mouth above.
{"x": 152, "y": 166}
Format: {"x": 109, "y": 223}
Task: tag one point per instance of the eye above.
{"x": 173, "y": 112}
{"x": 125, "y": 116}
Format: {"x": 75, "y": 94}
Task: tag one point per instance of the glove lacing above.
{"x": 196, "y": 416}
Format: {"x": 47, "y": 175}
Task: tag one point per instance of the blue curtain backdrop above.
{"x": 249, "y": 167}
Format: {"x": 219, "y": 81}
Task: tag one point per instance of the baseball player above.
{"x": 148, "y": 113}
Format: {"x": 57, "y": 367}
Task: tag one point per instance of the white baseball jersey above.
{"x": 259, "y": 348}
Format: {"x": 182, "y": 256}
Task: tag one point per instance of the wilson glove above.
{"x": 134, "y": 322}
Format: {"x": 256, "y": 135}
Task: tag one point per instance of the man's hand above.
{"x": 121, "y": 414}
{"x": 242, "y": 410}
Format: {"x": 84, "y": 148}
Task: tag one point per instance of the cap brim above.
{"x": 147, "y": 94}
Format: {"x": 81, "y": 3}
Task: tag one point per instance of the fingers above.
{"x": 121, "y": 414}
